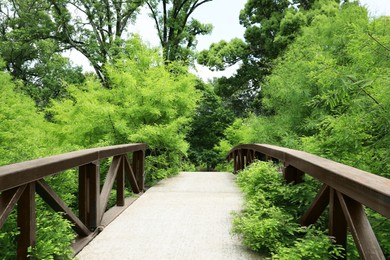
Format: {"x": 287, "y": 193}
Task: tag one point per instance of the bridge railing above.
{"x": 19, "y": 182}
{"x": 345, "y": 189}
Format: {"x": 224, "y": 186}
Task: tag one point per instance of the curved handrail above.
{"x": 17, "y": 174}
{"x": 19, "y": 182}
{"x": 344, "y": 186}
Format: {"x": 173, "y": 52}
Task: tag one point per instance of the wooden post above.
{"x": 89, "y": 194}
{"x": 26, "y": 220}
{"x": 138, "y": 168}
{"x": 292, "y": 174}
{"x": 337, "y": 221}
{"x": 120, "y": 184}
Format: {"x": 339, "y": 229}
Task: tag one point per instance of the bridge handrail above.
{"x": 17, "y": 174}
{"x": 345, "y": 189}
{"x": 20, "y": 182}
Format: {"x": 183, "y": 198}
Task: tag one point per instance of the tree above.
{"x": 148, "y": 102}
{"x": 94, "y": 28}
{"x": 26, "y": 135}
{"x": 207, "y": 127}
{"x": 329, "y": 95}
{"x": 176, "y": 31}
{"x": 270, "y": 27}
{"x": 34, "y": 55}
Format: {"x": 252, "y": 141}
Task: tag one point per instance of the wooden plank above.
{"x": 138, "y": 168}
{"x": 26, "y": 220}
{"x": 108, "y": 184}
{"x": 15, "y": 175}
{"x": 56, "y": 203}
{"x": 130, "y": 175}
{"x": 120, "y": 184}
{"x": 292, "y": 174}
{"x": 83, "y": 197}
{"x": 8, "y": 201}
{"x": 366, "y": 188}
{"x": 94, "y": 195}
{"x": 115, "y": 150}
{"x": 337, "y": 222}
{"x": 89, "y": 194}
{"x": 316, "y": 208}
{"x": 361, "y": 230}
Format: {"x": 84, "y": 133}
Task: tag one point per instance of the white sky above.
{"x": 223, "y": 14}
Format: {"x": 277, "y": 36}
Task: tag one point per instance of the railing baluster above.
{"x": 19, "y": 182}
{"x": 130, "y": 175}
{"x": 89, "y": 192}
{"x": 337, "y": 222}
{"x": 138, "y": 168}
{"x": 316, "y": 208}
{"x": 8, "y": 201}
{"x": 120, "y": 184}
{"x": 26, "y": 220}
{"x": 292, "y": 174}
{"x": 108, "y": 184}
{"x": 360, "y": 227}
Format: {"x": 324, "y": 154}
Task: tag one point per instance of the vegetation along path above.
{"x": 184, "y": 217}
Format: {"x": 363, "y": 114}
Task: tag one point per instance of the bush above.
{"x": 269, "y": 221}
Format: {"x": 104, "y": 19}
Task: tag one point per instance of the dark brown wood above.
{"x": 130, "y": 175}
{"x": 337, "y": 222}
{"x": 360, "y": 227}
{"x": 292, "y": 174}
{"x": 108, "y": 184}
{"x": 26, "y": 221}
{"x": 138, "y": 168}
{"x": 15, "y": 175}
{"x": 56, "y": 203}
{"x": 19, "y": 182}
{"x": 345, "y": 189}
{"x": 8, "y": 201}
{"x": 120, "y": 184}
{"x": 368, "y": 189}
{"x": 316, "y": 208}
{"x": 94, "y": 195}
{"x": 89, "y": 193}
{"x": 83, "y": 195}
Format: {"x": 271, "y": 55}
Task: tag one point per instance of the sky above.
{"x": 223, "y": 15}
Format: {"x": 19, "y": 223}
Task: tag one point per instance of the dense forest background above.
{"x": 313, "y": 75}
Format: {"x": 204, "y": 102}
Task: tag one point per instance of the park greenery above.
{"x": 313, "y": 75}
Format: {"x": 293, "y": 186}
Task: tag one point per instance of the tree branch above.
{"x": 378, "y": 42}
{"x": 156, "y": 22}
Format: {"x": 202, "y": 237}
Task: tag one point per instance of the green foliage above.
{"x": 35, "y": 53}
{"x": 222, "y": 54}
{"x": 24, "y": 135}
{"x": 51, "y": 245}
{"x": 148, "y": 102}
{"x": 314, "y": 245}
{"x": 269, "y": 221}
{"x": 271, "y": 26}
{"x": 207, "y": 127}
{"x": 328, "y": 95}
{"x": 41, "y": 30}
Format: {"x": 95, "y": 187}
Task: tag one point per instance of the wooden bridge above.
{"x": 200, "y": 203}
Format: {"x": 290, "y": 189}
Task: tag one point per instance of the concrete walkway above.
{"x": 184, "y": 217}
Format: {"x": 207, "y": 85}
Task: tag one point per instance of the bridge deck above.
{"x": 184, "y": 217}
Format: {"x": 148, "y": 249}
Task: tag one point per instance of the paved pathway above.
{"x": 184, "y": 217}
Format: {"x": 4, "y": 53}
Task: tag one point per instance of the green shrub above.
{"x": 269, "y": 220}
